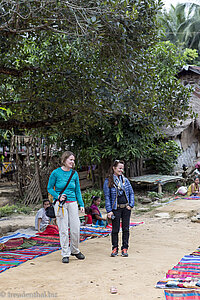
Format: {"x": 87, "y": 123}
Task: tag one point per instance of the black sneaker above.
{"x": 79, "y": 255}
{"x": 65, "y": 260}
{"x": 114, "y": 252}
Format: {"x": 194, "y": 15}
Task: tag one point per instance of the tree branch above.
{"x": 15, "y": 72}
{"x": 12, "y": 123}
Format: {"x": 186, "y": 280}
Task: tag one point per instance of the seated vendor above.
{"x": 97, "y": 218}
{"x": 41, "y": 219}
{"x": 194, "y": 188}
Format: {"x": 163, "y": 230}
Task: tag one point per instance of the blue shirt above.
{"x": 58, "y": 179}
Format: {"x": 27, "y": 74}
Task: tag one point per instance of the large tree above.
{"x": 64, "y": 60}
{"x": 156, "y": 94}
{"x": 68, "y": 65}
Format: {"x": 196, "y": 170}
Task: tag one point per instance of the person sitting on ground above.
{"x": 88, "y": 216}
{"x": 194, "y": 188}
{"x": 97, "y": 218}
{"x": 41, "y": 219}
{"x": 181, "y": 190}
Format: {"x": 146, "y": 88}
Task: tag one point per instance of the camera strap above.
{"x": 67, "y": 182}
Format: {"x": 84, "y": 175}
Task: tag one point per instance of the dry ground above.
{"x": 155, "y": 247}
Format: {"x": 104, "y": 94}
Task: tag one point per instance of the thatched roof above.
{"x": 194, "y": 103}
{"x": 180, "y": 127}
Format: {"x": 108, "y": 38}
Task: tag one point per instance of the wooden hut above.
{"x": 187, "y": 133}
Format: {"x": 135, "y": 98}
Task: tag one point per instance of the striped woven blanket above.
{"x": 177, "y": 295}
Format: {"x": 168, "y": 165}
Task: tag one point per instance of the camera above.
{"x": 112, "y": 217}
{"x": 62, "y": 202}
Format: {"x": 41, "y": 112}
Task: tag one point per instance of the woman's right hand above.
{"x": 109, "y": 215}
{"x": 62, "y": 197}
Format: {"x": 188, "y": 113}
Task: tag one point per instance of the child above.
{"x": 97, "y": 218}
{"x": 88, "y": 216}
{"x": 41, "y": 219}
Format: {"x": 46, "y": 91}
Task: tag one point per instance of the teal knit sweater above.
{"x": 58, "y": 179}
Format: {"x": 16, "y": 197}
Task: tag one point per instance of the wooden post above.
{"x": 159, "y": 187}
{"x": 18, "y": 166}
{"x": 37, "y": 172}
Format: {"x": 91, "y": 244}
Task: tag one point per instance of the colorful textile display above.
{"x": 16, "y": 257}
{"x": 15, "y": 251}
{"x": 192, "y": 198}
{"x": 186, "y": 274}
{"x": 177, "y": 295}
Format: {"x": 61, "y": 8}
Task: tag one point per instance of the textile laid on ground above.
{"x": 185, "y": 275}
{"x": 9, "y": 259}
{"x": 192, "y": 198}
{"x": 16, "y": 235}
{"x": 177, "y": 295}
{"x": 15, "y": 251}
{"x": 182, "y": 198}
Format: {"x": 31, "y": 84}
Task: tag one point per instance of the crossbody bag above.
{"x": 50, "y": 210}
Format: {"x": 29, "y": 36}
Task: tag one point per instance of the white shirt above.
{"x": 41, "y": 214}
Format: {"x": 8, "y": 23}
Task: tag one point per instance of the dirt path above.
{"x": 154, "y": 248}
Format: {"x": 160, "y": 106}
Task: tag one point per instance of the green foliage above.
{"x": 77, "y": 69}
{"x": 181, "y": 25}
{"x": 12, "y": 209}
{"x": 170, "y": 187}
{"x": 190, "y": 55}
{"x": 155, "y": 195}
{"x": 102, "y": 86}
{"x": 164, "y": 156}
{"x": 87, "y": 195}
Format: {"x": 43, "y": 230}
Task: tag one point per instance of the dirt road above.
{"x": 155, "y": 247}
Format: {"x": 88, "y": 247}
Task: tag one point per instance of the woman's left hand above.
{"x": 82, "y": 209}
{"x": 128, "y": 207}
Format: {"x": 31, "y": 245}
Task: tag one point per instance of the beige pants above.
{"x": 70, "y": 220}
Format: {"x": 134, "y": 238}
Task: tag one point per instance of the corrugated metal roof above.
{"x": 155, "y": 178}
{"x": 189, "y": 68}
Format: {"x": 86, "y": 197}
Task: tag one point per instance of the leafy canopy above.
{"x": 65, "y": 64}
{"x": 89, "y": 74}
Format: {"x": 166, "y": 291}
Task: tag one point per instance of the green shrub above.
{"x": 164, "y": 156}
{"x": 154, "y": 195}
{"x": 87, "y": 195}
{"x": 11, "y": 209}
{"x": 170, "y": 187}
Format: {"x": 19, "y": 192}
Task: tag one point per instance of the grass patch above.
{"x": 13, "y": 209}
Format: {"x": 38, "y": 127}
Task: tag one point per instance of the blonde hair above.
{"x": 65, "y": 156}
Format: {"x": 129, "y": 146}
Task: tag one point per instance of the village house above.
{"x": 187, "y": 133}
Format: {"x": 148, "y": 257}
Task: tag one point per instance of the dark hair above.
{"x": 196, "y": 177}
{"x": 111, "y": 172}
{"x": 65, "y": 156}
{"x": 95, "y": 198}
{"x": 88, "y": 210}
{"x": 45, "y": 200}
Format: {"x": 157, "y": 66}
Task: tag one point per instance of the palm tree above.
{"x": 182, "y": 25}
{"x": 189, "y": 31}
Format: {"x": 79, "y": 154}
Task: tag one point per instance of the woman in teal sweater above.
{"x": 66, "y": 207}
